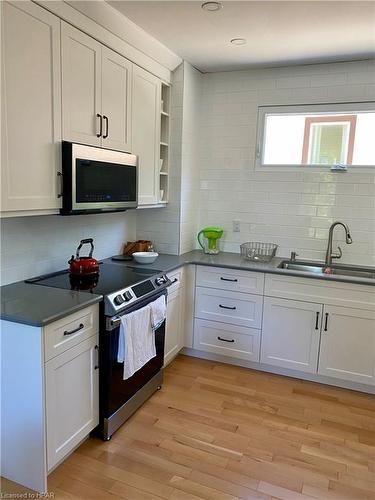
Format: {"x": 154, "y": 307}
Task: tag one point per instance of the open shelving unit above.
{"x": 164, "y": 143}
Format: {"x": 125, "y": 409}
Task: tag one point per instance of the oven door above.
{"x": 97, "y": 180}
{"x": 114, "y": 391}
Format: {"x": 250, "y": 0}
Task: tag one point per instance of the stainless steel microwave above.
{"x": 96, "y": 180}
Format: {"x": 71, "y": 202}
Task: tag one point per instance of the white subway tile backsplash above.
{"x": 38, "y": 245}
{"x": 293, "y": 82}
{"x": 293, "y": 209}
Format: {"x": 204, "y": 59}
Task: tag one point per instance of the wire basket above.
{"x": 257, "y": 251}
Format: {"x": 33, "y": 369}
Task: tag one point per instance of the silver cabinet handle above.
{"x": 225, "y": 340}
{"x": 99, "y": 134}
{"x": 227, "y": 307}
{"x": 70, "y": 332}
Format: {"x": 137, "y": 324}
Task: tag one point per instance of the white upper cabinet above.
{"x": 31, "y": 108}
{"x": 146, "y": 133}
{"x": 96, "y": 90}
{"x": 347, "y": 349}
{"x": 291, "y": 334}
{"x": 116, "y": 100}
{"x": 81, "y": 86}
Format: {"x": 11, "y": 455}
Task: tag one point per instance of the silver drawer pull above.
{"x": 225, "y": 340}
{"x": 227, "y": 307}
{"x": 228, "y": 279}
{"x": 67, "y": 332}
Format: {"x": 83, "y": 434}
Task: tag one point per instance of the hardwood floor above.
{"x": 221, "y": 432}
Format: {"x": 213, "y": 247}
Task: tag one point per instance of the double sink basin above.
{"x": 334, "y": 269}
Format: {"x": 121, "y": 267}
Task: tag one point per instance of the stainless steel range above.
{"x": 125, "y": 289}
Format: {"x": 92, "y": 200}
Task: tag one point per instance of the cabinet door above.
{"x": 347, "y": 349}
{"x": 291, "y": 332}
{"x": 173, "y": 332}
{"x": 81, "y": 86}
{"x": 31, "y": 107}
{"x": 146, "y": 133}
{"x": 72, "y": 398}
{"x": 116, "y": 100}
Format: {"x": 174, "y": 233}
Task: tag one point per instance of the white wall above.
{"x": 293, "y": 209}
{"x": 32, "y": 246}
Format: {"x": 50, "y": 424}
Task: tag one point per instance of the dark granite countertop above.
{"x": 37, "y": 305}
{"x": 168, "y": 263}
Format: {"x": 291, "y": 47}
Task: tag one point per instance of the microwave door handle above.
{"x": 100, "y": 125}
{"x": 105, "y": 118}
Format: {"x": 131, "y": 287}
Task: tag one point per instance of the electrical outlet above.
{"x": 236, "y": 226}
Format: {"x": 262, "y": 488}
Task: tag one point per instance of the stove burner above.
{"x": 88, "y": 282}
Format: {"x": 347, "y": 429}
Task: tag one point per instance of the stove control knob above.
{"x": 118, "y": 300}
{"x": 160, "y": 281}
{"x": 127, "y": 296}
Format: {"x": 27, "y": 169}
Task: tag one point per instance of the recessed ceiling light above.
{"x": 212, "y": 6}
{"x": 238, "y": 41}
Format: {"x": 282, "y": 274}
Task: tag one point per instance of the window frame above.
{"x": 348, "y": 108}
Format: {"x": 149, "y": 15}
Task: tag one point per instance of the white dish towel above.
{"x": 136, "y": 341}
{"x": 158, "y": 311}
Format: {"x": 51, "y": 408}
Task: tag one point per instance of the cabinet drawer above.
{"x": 235, "y": 308}
{"x": 70, "y": 331}
{"x": 230, "y": 279}
{"x": 229, "y": 340}
{"x": 320, "y": 290}
{"x": 177, "y": 280}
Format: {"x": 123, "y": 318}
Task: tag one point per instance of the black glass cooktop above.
{"x": 112, "y": 277}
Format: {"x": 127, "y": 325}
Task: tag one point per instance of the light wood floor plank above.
{"x": 221, "y": 432}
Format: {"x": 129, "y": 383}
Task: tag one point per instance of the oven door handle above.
{"x": 112, "y": 323}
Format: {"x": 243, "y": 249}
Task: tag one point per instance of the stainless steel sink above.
{"x": 336, "y": 269}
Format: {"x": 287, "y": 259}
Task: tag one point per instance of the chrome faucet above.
{"x": 329, "y": 254}
{"x": 293, "y": 256}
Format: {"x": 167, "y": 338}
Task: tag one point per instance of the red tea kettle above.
{"x": 84, "y": 266}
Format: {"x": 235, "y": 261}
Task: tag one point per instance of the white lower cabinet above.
{"x": 315, "y": 327}
{"x": 291, "y": 333}
{"x": 51, "y": 393}
{"x": 72, "y": 398}
{"x": 228, "y": 317}
{"x": 230, "y": 340}
{"x": 174, "y": 333}
{"x": 347, "y": 349}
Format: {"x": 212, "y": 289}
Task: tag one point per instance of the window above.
{"x": 316, "y": 135}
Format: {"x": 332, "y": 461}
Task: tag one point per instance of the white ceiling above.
{"x": 277, "y": 32}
